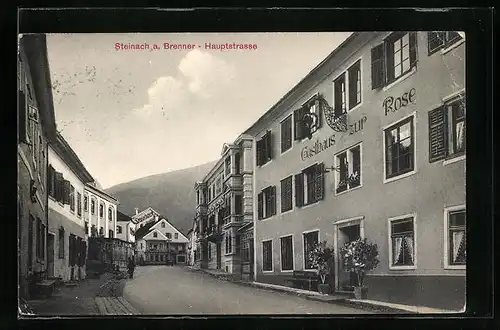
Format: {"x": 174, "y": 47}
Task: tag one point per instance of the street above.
{"x": 178, "y": 290}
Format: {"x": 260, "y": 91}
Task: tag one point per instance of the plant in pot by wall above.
{"x": 321, "y": 258}
{"x": 359, "y": 257}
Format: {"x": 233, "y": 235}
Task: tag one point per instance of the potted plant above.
{"x": 359, "y": 257}
{"x": 321, "y": 258}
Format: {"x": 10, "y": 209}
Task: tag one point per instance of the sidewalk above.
{"x": 372, "y": 305}
{"x": 82, "y": 298}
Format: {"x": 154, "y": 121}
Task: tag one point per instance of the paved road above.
{"x": 178, "y": 290}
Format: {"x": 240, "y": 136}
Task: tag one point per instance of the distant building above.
{"x": 36, "y": 128}
{"x": 158, "y": 242}
{"x": 67, "y": 237}
{"x": 100, "y": 212}
{"x": 125, "y": 228}
{"x": 140, "y": 219}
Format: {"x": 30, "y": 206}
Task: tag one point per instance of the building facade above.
{"x": 370, "y": 144}
{"x": 67, "y": 238}
{"x": 223, "y": 204}
{"x": 99, "y": 210}
{"x": 36, "y": 128}
{"x": 125, "y": 228}
{"x": 160, "y": 243}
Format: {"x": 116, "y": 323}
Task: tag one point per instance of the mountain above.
{"x": 171, "y": 194}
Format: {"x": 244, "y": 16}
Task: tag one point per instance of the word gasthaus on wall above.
{"x": 319, "y": 146}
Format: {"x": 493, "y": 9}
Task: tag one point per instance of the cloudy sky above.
{"x": 134, "y": 113}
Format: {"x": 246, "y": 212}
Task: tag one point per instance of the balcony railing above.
{"x": 214, "y": 232}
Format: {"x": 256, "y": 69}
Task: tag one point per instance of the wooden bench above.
{"x": 302, "y": 277}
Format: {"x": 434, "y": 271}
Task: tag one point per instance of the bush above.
{"x": 359, "y": 257}
{"x": 321, "y": 258}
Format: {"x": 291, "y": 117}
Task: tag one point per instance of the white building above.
{"x": 100, "y": 212}
{"x": 67, "y": 239}
{"x": 125, "y": 228}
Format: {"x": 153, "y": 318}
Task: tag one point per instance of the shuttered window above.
{"x": 260, "y": 205}
{"x": 310, "y": 240}
{"x": 354, "y": 87}
{"x": 309, "y": 185}
{"x": 61, "y": 241}
{"x": 67, "y": 192}
{"x": 267, "y": 256}
{"x": 300, "y": 129}
{"x": 22, "y": 117}
{"x": 264, "y": 149}
{"x": 340, "y": 95}
{"x": 299, "y": 189}
{"x": 286, "y": 134}
{"x": 395, "y": 57}
{"x": 267, "y": 202}
{"x": 72, "y": 198}
{"x": 286, "y": 194}
{"x": 437, "y": 40}
{"x": 399, "y": 148}
{"x": 286, "y": 253}
{"x": 437, "y": 134}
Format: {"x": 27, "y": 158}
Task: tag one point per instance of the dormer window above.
{"x": 155, "y": 235}
{"x": 163, "y": 225}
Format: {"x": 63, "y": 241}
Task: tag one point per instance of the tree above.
{"x": 360, "y": 257}
{"x": 321, "y": 257}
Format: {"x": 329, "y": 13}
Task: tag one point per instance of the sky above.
{"x": 133, "y": 113}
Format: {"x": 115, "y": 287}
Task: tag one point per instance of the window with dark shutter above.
{"x": 299, "y": 189}
{"x": 273, "y": 200}
{"x": 258, "y": 152}
{"x": 435, "y": 41}
{"x": 67, "y": 192}
{"x": 298, "y": 116}
{"x": 378, "y": 65}
{"x": 260, "y": 205}
{"x": 413, "y": 49}
{"x": 269, "y": 146}
{"x": 286, "y": 134}
{"x": 22, "y": 132}
{"x": 354, "y": 73}
{"x": 320, "y": 182}
{"x": 286, "y": 194}
{"x": 319, "y": 113}
{"x": 437, "y": 134}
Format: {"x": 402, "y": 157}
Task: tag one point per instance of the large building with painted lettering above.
{"x": 370, "y": 144}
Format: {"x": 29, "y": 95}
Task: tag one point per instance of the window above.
{"x": 354, "y": 84}
{"x": 347, "y": 89}
{"x": 209, "y": 245}
{"x": 85, "y": 203}
{"x": 142, "y": 246}
{"x": 399, "y": 148}
{"x": 38, "y": 237}
{"x": 402, "y": 242}
{"x": 310, "y": 240}
{"x": 118, "y": 229}
{"x": 110, "y": 213}
{"x": 228, "y": 165}
{"x": 264, "y": 149}
{"x": 155, "y": 234}
{"x": 229, "y": 242}
{"x": 456, "y": 241}
{"x": 169, "y": 235}
{"x": 101, "y": 231}
{"x": 72, "y": 198}
{"x": 86, "y": 228}
{"x": 163, "y": 225}
{"x": 79, "y": 203}
{"x": 110, "y": 233}
{"x": 286, "y": 194}
{"x": 267, "y": 256}
{"x": 218, "y": 186}
{"x": 307, "y": 119}
{"x": 395, "y": 57}
{"x": 101, "y": 210}
{"x": 238, "y": 204}
{"x": 30, "y": 241}
{"x": 286, "y": 134}
{"x": 176, "y": 235}
{"x": 267, "y": 202}
{"x": 439, "y": 40}
{"x": 348, "y": 163}
{"x": 309, "y": 185}
{"x": 286, "y": 253}
{"x": 61, "y": 243}
{"x": 237, "y": 163}
{"x": 92, "y": 206}
{"x": 447, "y": 131}
{"x": 340, "y": 95}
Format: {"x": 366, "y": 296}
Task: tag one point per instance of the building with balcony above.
{"x": 158, "y": 242}
{"x": 99, "y": 212}
{"x": 370, "y": 144}
{"x": 223, "y": 205}
{"x": 66, "y": 238}
{"x": 36, "y": 128}
{"x": 125, "y": 227}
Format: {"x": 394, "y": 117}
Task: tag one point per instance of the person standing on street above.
{"x": 131, "y": 267}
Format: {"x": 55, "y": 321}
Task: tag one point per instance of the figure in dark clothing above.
{"x": 131, "y": 267}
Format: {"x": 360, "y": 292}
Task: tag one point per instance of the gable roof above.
{"x": 171, "y": 225}
{"x": 122, "y": 217}
{"x": 155, "y": 230}
{"x": 144, "y": 230}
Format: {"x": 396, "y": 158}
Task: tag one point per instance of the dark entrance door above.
{"x": 219, "y": 257}
{"x": 50, "y": 255}
{"x": 251, "y": 260}
{"x": 347, "y": 234}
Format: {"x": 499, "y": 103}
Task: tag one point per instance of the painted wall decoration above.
{"x": 393, "y": 104}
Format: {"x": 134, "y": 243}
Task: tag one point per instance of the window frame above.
{"x": 72, "y": 197}
{"x": 266, "y": 214}
{"x": 345, "y": 73}
{"x": 337, "y": 165}
{"x": 446, "y": 225}
{"x": 412, "y": 117}
{"x": 415, "y": 241}
{"x": 304, "y": 247}
{"x": 305, "y": 195}
{"x": 78, "y": 204}
{"x": 447, "y": 44}
{"x": 270, "y": 253}
{"x": 281, "y": 252}
{"x": 290, "y": 147}
{"x": 282, "y": 211}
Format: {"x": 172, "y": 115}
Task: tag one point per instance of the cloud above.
{"x": 201, "y": 76}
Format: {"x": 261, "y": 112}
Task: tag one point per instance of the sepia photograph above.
{"x": 241, "y": 173}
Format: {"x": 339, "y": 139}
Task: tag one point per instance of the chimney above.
{"x": 136, "y": 211}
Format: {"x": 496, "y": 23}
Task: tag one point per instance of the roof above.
{"x": 144, "y": 230}
{"x": 135, "y": 216}
{"x": 100, "y": 192}
{"x": 296, "y": 87}
{"x": 64, "y": 150}
{"x": 122, "y": 217}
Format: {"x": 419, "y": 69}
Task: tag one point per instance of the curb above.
{"x": 339, "y": 301}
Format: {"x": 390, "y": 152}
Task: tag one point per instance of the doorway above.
{"x": 346, "y": 232}
{"x": 50, "y": 254}
{"x": 219, "y": 258}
